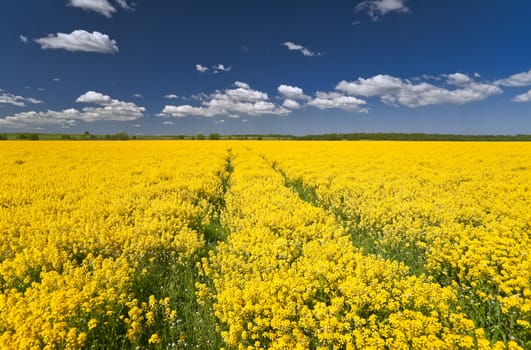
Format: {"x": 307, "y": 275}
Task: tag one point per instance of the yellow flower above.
{"x": 154, "y": 339}
{"x": 92, "y": 323}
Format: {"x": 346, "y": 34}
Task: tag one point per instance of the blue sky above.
{"x": 291, "y": 67}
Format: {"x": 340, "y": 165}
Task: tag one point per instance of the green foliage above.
{"x": 27, "y": 136}
{"x": 321, "y": 137}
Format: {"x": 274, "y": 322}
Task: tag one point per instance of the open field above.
{"x": 251, "y": 245}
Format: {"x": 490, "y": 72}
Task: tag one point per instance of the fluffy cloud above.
{"x": 296, "y": 47}
{"x": 123, "y": 4}
{"x": 105, "y": 109}
{"x": 523, "y": 97}
{"x": 516, "y": 80}
{"x": 94, "y": 97}
{"x": 66, "y": 117}
{"x": 201, "y": 68}
{"x": 79, "y": 40}
{"x": 291, "y": 95}
{"x": 23, "y": 38}
{"x": 102, "y": 7}
{"x": 335, "y": 100}
{"x": 291, "y": 104}
{"x": 221, "y": 68}
{"x": 424, "y": 94}
{"x": 108, "y": 108}
{"x": 458, "y": 79}
{"x": 378, "y": 85}
{"x": 396, "y": 91}
{"x": 292, "y": 92}
{"x": 171, "y": 96}
{"x": 378, "y": 8}
{"x": 230, "y": 102}
{"x": 15, "y": 100}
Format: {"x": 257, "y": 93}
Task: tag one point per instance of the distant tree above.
{"x": 121, "y": 136}
{"x": 214, "y": 136}
{"x": 199, "y": 136}
{"x": 27, "y": 136}
{"x": 86, "y": 133}
{"x": 3, "y": 136}
{"x": 66, "y": 137}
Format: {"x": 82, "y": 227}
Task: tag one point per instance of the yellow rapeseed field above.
{"x": 270, "y": 244}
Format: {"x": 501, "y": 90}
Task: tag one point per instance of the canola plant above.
{"x": 253, "y": 245}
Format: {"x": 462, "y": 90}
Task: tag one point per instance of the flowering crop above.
{"x": 251, "y": 245}
{"x": 458, "y": 212}
{"x": 82, "y": 228}
{"x": 288, "y": 277}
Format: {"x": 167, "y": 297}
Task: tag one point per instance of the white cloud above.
{"x": 242, "y": 85}
{"x": 23, "y": 38}
{"x": 56, "y": 80}
{"x": 102, "y": 7}
{"x": 201, "y": 68}
{"x": 292, "y": 92}
{"x": 171, "y": 96}
{"x": 378, "y": 8}
{"x": 106, "y": 109}
{"x": 94, "y": 97}
{"x": 378, "y": 85}
{"x": 138, "y": 96}
{"x": 41, "y": 89}
{"x": 7, "y": 99}
{"x": 32, "y": 100}
{"x": 516, "y": 80}
{"x": 15, "y": 100}
{"x": 168, "y": 122}
{"x": 335, "y": 100}
{"x": 221, "y": 68}
{"x": 79, "y": 40}
{"x": 66, "y": 117}
{"x": 296, "y": 47}
{"x": 523, "y": 97}
{"x": 291, "y": 104}
{"x": 230, "y": 102}
{"x": 396, "y": 91}
{"x": 123, "y": 4}
{"x": 458, "y": 79}
{"x": 424, "y": 94}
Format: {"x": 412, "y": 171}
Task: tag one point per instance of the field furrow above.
{"x": 455, "y": 212}
{"x": 288, "y": 277}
